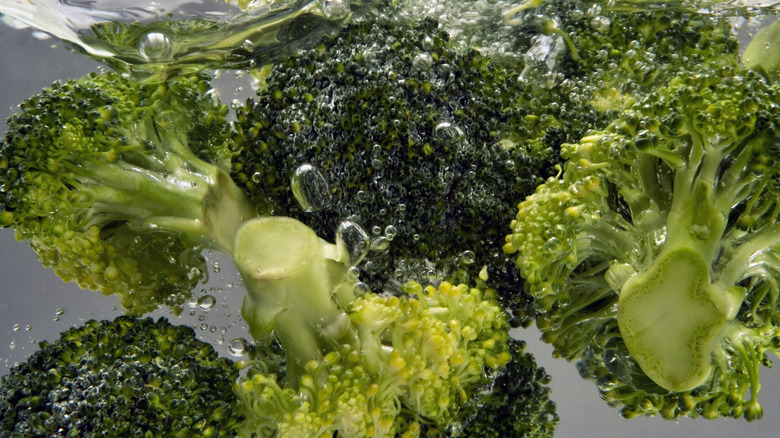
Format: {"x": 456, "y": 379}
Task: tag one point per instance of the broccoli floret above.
{"x": 405, "y": 132}
{"x": 357, "y": 362}
{"x": 125, "y": 377}
{"x": 418, "y": 358}
{"x": 616, "y": 52}
{"x": 123, "y": 165}
{"x": 517, "y": 405}
{"x": 653, "y": 257}
{"x": 112, "y": 184}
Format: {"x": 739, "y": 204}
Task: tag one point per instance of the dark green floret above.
{"x": 112, "y": 183}
{"x": 125, "y": 377}
{"x": 409, "y": 133}
{"x": 614, "y": 53}
{"x": 652, "y": 258}
{"x": 517, "y": 404}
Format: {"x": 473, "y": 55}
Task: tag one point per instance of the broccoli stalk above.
{"x": 169, "y": 188}
{"x": 297, "y": 287}
{"x": 670, "y": 314}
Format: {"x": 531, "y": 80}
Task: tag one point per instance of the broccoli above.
{"x": 653, "y": 257}
{"x": 618, "y": 51}
{"x": 124, "y": 377}
{"x": 520, "y": 395}
{"x": 121, "y": 161}
{"x": 414, "y": 360}
{"x": 112, "y": 184}
{"x": 425, "y": 147}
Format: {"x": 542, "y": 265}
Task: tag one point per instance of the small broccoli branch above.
{"x": 169, "y": 189}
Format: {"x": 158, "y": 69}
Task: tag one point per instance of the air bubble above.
{"x": 448, "y": 132}
{"x": 237, "y": 347}
{"x": 192, "y": 302}
{"x": 334, "y": 9}
{"x": 380, "y": 244}
{"x": 422, "y": 61}
{"x": 390, "y": 232}
{"x": 207, "y": 302}
{"x": 310, "y": 188}
{"x": 360, "y": 288}
{"x": 467, "y": 257}
{"x": 156, "y": 46}
{"x": 353, "y": 240}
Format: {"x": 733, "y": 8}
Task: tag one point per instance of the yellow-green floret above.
{"x": 417, "y": 359}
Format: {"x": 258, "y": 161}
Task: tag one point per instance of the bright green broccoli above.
{"x": 412, "y": 361}
{"x": 427, "y": 148}
{"x": 653, "y": 257}
{"x": 125, "y": 377}
{"x": 112, "y": 184}
{"x": 121, "y": 161}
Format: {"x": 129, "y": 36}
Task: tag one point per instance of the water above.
{"x": 151, "y": 50}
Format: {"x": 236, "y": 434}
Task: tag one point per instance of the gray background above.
{"x": 36, "y": 305}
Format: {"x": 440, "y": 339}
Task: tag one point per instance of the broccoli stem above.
{"x": 177, "y": 192}
{"x": 293, "y": 278}
{"x": 670, "y": 314}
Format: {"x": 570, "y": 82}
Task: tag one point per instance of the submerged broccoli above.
{"x": 426, "y": 147}
{"x": 517, "y": 405}
{"x": 617, "y": 53}
{"x": 112, "y": 184}
{"x": 653, "y": 258}
{"x": 122, "y": 161}
{"x": 413, "y": 362}
{"x": 125, "y": 377}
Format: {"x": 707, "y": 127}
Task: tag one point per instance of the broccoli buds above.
{"x": 126, "y": 377}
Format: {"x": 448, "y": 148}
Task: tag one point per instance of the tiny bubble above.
{"x": 237, "y": 347}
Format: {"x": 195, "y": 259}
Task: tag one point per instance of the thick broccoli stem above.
{"x": 174, "y": 191}
{"x": 294, "y": 281}
{"x": 669, "y": 315}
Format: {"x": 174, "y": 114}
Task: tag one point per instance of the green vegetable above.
{"x": 123, "y": 162}
{"x": 518, "y": 404}
{"x": 411, "y": 363}
{"x": 125, "y": 377}
{"x": 616, "y": 52}
{"x": 652, "y": 258}
{"x": 426, "y": 147}
{"x": 112, "y": 183}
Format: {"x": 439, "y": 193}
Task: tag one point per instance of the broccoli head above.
{"x": 403, "y": 132}
{"x": 615, "y": 52}
{"x": 653, "y": 257}
{"x": 125, "y": 377}
{"x": 517, "y": 405}
{"x": 112, "y": 183}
